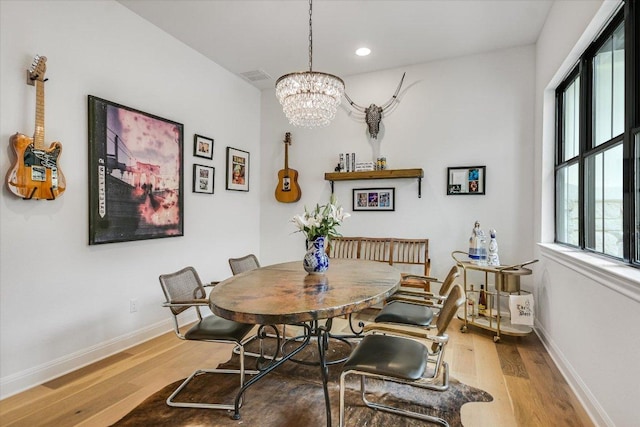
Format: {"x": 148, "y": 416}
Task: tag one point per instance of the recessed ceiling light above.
{"x": 363, "y": 51}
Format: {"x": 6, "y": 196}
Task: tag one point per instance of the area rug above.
{"x": 292, "y": 396}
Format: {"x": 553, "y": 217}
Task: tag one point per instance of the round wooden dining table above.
{"x": 286, "y": 294}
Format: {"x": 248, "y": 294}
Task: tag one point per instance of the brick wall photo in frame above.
{"x": 135, "y": 174}
{"x": 237, "y": 169}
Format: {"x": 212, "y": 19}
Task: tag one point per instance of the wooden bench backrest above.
{"x": 374, "y": 249}
{"x": 344, "y": 247}
{"x": 382, "y": 249}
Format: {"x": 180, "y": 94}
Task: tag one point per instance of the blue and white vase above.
{"x": 316, "y": 260}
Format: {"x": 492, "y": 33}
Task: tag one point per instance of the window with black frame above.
{"x": 597, "y": 111}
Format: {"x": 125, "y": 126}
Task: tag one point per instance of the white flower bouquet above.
{"x": 322, "y": 221}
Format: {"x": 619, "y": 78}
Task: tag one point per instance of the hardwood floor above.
{"x": 527, "y": 387}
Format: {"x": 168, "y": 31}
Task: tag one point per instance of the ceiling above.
{"x": 273, "y": 36}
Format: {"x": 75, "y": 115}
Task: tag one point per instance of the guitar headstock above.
{"x": 287, "y": 138}
{"x": 37, "y": 70}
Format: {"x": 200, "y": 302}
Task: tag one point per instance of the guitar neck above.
{"x": 286, "y": 157}
{"x": 38, "y": 136}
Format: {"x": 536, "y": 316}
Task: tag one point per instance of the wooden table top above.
{"x": 285, "y": 293}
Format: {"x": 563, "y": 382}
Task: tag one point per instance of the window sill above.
{"x": 614, "y": 275}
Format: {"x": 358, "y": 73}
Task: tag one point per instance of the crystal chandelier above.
{"x": 309, "y": 98}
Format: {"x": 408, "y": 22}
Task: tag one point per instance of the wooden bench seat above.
{"x": 410, "y": 256}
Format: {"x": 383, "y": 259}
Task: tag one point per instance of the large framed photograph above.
{"x": 203, "y": 147}
{"x": 237, "y": 169}
{"x": 374, "y": 199}
{"x": 466, "y": 180}
{"x": 135, "y": 174}
{"x": 203, "y": 179}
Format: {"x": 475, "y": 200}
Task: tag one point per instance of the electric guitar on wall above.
{"x": 288, "y": 190}
{"x": 35, "y": 174}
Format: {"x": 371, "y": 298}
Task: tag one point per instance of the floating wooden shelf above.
{"x": 379, "y": 174}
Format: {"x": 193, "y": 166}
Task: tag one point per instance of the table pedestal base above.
{"x": 311, "y": 330}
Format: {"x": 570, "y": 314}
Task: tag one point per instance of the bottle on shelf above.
{"x": 478, "y": 245}
{"x": 492, "y": 256}
{"x": 472, "y": 303}
{"x": 482, "y": 301}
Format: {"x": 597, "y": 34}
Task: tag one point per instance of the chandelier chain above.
{"x": 309, "y": 98}
{"x": 310, "y": 37}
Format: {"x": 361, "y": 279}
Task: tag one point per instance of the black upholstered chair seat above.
{"x": 217, "y": 328}
{"x": 405, "y": 313}
{"x": 389, "y": 355}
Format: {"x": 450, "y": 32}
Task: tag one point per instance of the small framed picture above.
{"x": 203, "y": 179}
{"x": 466, "y": 180}
{"x": 374, "y": 199}
{"x": 202, "y": 146}
{"x": 237, "y": 169}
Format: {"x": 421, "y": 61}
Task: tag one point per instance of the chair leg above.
{"x": 432, "y": 383}
{"x": 379, "y": 406}
{"x": 444, "y": 386}
{"x": 171, "y": 402}
{"x": 342, "y": 387}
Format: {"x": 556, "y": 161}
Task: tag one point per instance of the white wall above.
{"x": 64, "y": 303}
{"x": 588, "y": 308}
{"x": 469, "y": 111}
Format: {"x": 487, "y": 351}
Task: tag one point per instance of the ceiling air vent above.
{"x": 255, "y": 75}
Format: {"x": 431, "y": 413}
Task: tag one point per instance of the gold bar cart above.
{"x": 506, "y": 282}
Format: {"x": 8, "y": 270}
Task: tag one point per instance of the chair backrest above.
{"x": 245, "y": 263}
{"x": 453, "y": 274}
{"x": 454, "y": 301}
{"x": 183, "y": 285}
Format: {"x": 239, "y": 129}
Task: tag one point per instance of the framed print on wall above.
{"x": 466, "y": 180}
{"x": 374, "y": 199}
{"x": 202, "y": 146}
{"x": 203, "y": 179}
{"x": 237, "y": 169}
{"x": 135, "y": 174}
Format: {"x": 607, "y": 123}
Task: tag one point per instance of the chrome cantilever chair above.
{"x": 242, "y": 265}
{"x": 417, "y": 308}
{"x": 183, "y": 291}
{"x": 404, "y": 359}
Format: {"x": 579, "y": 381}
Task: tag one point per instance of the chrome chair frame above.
{"x": 178, "y": 306}
{"x": 247, "y": 263}
{"x": 426, "y": 297}
{"x": 414, "y": 358}
{"x": 416, "y": 309}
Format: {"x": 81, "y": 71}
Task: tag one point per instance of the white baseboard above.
{"x": 21, "y": 381}
{"x": 595, "y": 411}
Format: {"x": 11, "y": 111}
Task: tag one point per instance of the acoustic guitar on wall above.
{"x": 36, "y": 174}
{"x": 288, "y": 190}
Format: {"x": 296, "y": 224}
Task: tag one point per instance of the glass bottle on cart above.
{"x": 472, "y": 303}
{"x": 482, "y": 301}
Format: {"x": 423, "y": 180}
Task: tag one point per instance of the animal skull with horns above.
{"x": 373, "y": 113}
